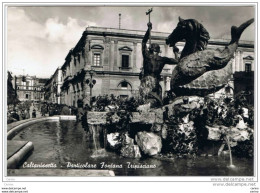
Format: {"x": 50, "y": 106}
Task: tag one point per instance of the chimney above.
{"x": 119, "y": 20}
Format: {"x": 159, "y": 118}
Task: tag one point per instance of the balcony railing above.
{"x": 125, "y": 68}
{"x": 97, "y": 68}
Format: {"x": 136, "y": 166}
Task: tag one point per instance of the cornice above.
{"x": 246, "y": 44}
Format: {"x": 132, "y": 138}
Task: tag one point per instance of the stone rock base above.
{"x": 131, "y": 151}
{"x": 149, "y": 143}
{"x": 113, "y": 140}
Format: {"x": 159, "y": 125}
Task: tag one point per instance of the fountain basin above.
{"x": 65, "y": 143}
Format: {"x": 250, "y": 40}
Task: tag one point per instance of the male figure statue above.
{"x": 152, "y": 67}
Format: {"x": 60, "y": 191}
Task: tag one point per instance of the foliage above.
{"x": 112, "y": 103}
{"x": 123, "y": 123}
{"x": 24, "y": 105}
{"x": 183, "y": 138}
{"x": 12, "y": 98}
{"x": 221, "y": 111}
{"x": 224, "y": 112}
{"x": 100, "y": 102}
{"x": 129, "y": 104}
{"x": 125, "y": 118}
{"x": 181, "y": 141}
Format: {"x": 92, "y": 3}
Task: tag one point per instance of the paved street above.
{"x": 38, "y": 111}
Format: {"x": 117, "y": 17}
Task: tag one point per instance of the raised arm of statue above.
{"x": 145, "y": 39}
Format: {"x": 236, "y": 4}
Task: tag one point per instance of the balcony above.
{"x": 123, "y": 69}
{"x": 97, "y": 68}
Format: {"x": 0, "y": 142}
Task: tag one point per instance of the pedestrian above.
{"x": 23, "y": 116}
{"x": 80, "y": 111}
{"x": 27, "y": 114}
{"x": 65, "y": 110}
{"x": 43, "y": 110}
{"x": 70, "y": 110}
{"x": 84, "y": 118}
{"x": 51, "y": 110}
{"x": 166, "y": 115}
{"x": 34, "y": 113}
{"x": 15, "y": 115}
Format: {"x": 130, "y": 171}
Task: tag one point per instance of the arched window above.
{"x": 124, "y": 85}
{"x": 98, "y": 47}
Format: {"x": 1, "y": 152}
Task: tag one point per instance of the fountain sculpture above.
{"x": 185, "y": 122}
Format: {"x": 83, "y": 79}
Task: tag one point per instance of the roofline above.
{"x": 89, "y": 31}
{"x": 105, "y": 31}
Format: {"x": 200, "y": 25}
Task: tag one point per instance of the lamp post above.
{"x": 54, "y": 90}
{"x": 15, "y": 91}
{"x": 91, "y": 82}
{"x": 35, "y": 97}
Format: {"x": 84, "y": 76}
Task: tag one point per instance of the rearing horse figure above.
{"x": 188, "y": 76}
{"x": 193, "y": 32}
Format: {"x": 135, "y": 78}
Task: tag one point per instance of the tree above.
{"x": 12, "y": 98}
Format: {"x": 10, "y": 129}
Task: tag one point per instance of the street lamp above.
{"x": 15, "y": 90}
{"x": 91, "y": 82}
{"x": 54, "y": 90}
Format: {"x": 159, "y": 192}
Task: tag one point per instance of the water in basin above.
{"x": 65, "y": 142}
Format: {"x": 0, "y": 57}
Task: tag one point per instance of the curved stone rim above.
{"x": 16, "y": 159}
{"x": 14, "y": 130}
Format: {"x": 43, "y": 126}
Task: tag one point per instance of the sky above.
{"x": 39, "y": 38}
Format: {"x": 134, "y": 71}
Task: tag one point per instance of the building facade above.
{"x": 244, "y": 76}
{"x": 112, "y": 59}
{"x": 29, "y": 88}
{"x": 53, "y": 88}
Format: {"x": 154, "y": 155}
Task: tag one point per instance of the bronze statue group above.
{"x": 198, "y": 71}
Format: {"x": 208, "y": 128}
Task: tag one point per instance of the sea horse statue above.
{"x": 201, "y": 71}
